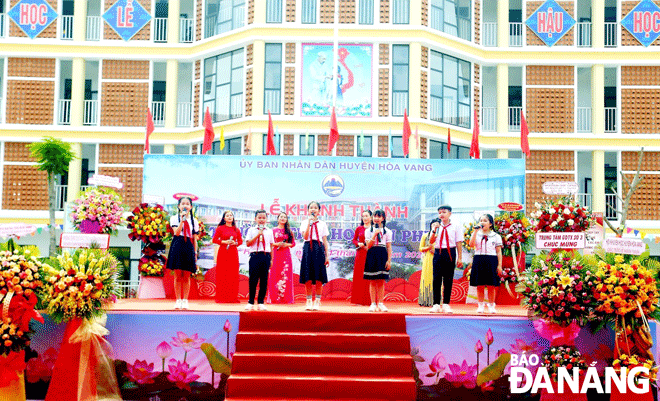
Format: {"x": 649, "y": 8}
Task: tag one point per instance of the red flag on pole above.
{"x": 209, "y": 134}
{"x": 417, "y": 136}
{"x": 270, "y": 143}
{"x": 474, "y": 147}
{"x": 448, "y": 140}
{"x": 150, "y": 129}
{"x": 524, "y": 133}
{"x": 334, "y": 132}
{"x": 406, "y": 133}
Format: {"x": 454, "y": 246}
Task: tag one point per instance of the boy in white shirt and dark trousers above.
{"x": 447, "y": 241}
{"x": 260, "y": 239}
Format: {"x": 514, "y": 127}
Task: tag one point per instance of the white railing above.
{"x": 93, "y": 28}
{"x": 611, "y": 29}
{"x": 464, "y": 29}
{"x": 127, "y": 288}
{"x": 158, "y": 113}
{"x": 489, "y": 34}
{"x": 399, "y": 103}
{"x": 184, "y": 114}
{"x": 273, "y": 100}
{"x": 515, "y": 34}
{"x": 583, "y": 123}
{"x": 610, "y": 119}
{"x": 3, "y": 24}
{"x": 489, "y": 119}
{"x": 514, "y": 118}
{"x": 611, "y": 206}
{"x": 584, "y": 199}
{"x": 160, "y": 30}
{"x": 584, "y": 34}
{"x": 91, "y": 112}
{"x": 236, "y": 106}
{"x": 64, "y": 112}
{"x": 66, "y": 27}
{"x": 61, "y": 192}
{"x": 186, "y": 30}
{"x": 435, "y": 108}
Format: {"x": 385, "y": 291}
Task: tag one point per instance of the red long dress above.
{"x": 280, "y": 280}
{"x": 226, "y": 268}
{"x": 360, "y": 295}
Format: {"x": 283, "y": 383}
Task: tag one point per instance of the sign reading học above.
{"x": 32, "y": 16}
{"x": 643, "y": 22}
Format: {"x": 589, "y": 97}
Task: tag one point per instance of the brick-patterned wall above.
{"x": 640, "y": 75}
{"x": 143, "y": 34}
{"x": 198, "y": 69}
{"x": 425, "y": 12}
{"x": 18, "y": 152}
{"x": 290, "y": 10}
{"x": 248, "y": 92}
{"x": 24, "y": 188}
{"x": 194, "y": 148}
{"x": 289, "y": 90}
{"x": 626, "y": 37}
{"x": 288, "y": 145}
{"x": 250, "y": 18}
{"x": 383, "y": 92}
{"x": 347, "y": 11}
{"x": 550, "y": 75}
{"x": 551, "y": 160}
{"x": 120, "y": 154}
{"x": 15, "y": 31}
{"x": 566, "y": 40}
{"x": 125, "y": 69}
{"x": 477, "y": 21}
{"x": 383, "y": 146}
{"x": 198, "y": 88}
{"x": 124, "y": 104}
{"x": 198, "y": 17}
{"x": 423, "y": 148}
{"x": 640, "y": 113}
{"x": 384, "y": 53}
{"x": 534, "y": 187}
{"x": 246, "y": 144}
{"x": 30, "y": 102}
{"x": 550, "y": 110}
{"x": 425, "y": 57}
{"x": 477, "y": 100}
{"x": 424, "y": 91}
{"x": 650, "y": 162}
{"x": 384, "y": 11}
{"x": 322, "y": 145}
{"x": 249, "y": 54}
{"x": 131, "y": 177}
{"x": 290, "y": 53}
{"x": 327, "y": 11}
{"x": 31, "y": 67}
{"x": 346, "y": 145}
{"x": 645, "y": 202}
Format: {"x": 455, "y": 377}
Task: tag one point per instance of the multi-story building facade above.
{"x": 590, "y": 100}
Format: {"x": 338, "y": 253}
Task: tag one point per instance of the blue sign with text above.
{"x": 126, "y": 17}
{"x": 643, "y": 22}
{"x": 550, "y": 22}
{"x": 32, "y": 16}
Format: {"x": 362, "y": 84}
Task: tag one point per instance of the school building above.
{"x": 585, "y": 74}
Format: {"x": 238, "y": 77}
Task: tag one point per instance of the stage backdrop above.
{"x": 409, "y": 190}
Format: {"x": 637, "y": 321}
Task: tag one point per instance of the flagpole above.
{"x": 335, "y": 62}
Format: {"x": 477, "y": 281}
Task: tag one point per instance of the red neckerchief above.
{"x": 311, "y": 234}
{"x": 484, "y": 247}
{"x": 262, "y": 240}
{"x": 445, "y": 234}
{"x": 186, "y": 230}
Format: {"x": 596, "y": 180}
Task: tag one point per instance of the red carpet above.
{"x": 321, "y": 355}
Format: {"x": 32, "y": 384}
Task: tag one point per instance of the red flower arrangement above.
{"x": 515, "y": 230}
{"x": 561, "y": 215}
{"x": 562, "y": 356}
{"x": 149, "y": 223}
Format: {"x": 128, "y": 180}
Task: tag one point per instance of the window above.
{"x": 274, "y": 11}
{"x": 400, "y": 77}
{"x": 366, "y": 12}
{"x": 181, "y": 149}
{"x": 396, "y": 146}
{"x": 307, "y": 145}
{"x": 364, "y": 146}
{"x": 223, "y": 16}
{"x": 450, "y": 90}
{"x": 273, "y": 79}
{"x": 401, "y": 12}
{"x": 276, "y": 140}
{"x": 438, "y": 150}
{"x": 451, "y": 17}
{"x": 308, "y": 12}
{"x": 156, "y": 149}
{"x": 223, "y": 85}
{"x": 232, "y": 147}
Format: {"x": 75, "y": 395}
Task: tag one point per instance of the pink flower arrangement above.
{"x": 462, "y": 375}
{"x": 141, "y": 372}
{"x": 101, "y": 205}
{"x": 181, "y": 374}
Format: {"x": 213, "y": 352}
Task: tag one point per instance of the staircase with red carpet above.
{"x": 321, "y": 355}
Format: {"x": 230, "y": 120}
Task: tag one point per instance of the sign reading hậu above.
{"x": 550, "y": 22}
{"x": 126, "y": 17}
{"x": 643, "y": 22}
{"x": 32, "y": 16}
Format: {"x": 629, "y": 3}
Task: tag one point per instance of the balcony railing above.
{"x": 61, "y": 192}
{"x": 583, "y": 123}
{"x": 611, "y": 29}
{"x": 489, "y": 34}
{"x": 93, "y": 28}
{"x": 186, "y": 30}
{"x": 611, "y": 206}
{"x": 584, "y": 34}
{"x": 64, "y": 112}
{"x": 584, "y": 199}
{"x": 184, "y": 114}
{"x": 127, "y": 288}
{"x": 160, "y": 30}
{"x": 514, "y": 118}
{"x": 610, "y": 119}
{"x": 489, "y": 119}
{"x": 90, "y": 116}
{"x": 66, "y": 27}
{"x": 515, "y": 34}
{"x": 3, "y": 24}
{"x": 158, "y": 112}
{"x": 399, "y": 103}
{"x": 91, "y": 112}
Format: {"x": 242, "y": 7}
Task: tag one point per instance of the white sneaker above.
{"x": 373, "y": 308}
{"x": 491, "y": 308}
{"x": 436, "y": 309}
{"x": 446, "y": 308}
{"x": 184, "y": 304}
{"x": 317, "y": 304}
{"x": 309, "y": 304}
{"x": 480, "y": 307}
{"x": 382, "y": 307}
{"x": 249, "y": 307}
{"x": 261, "y": 307}
{"x": 177, "y": 304}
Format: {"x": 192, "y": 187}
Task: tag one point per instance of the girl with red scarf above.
{"x": 315, "y": 256}
{"x": 182, "y": 259}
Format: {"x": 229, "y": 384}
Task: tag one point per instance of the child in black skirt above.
{"x": 379, "y": 259}
{"x": 314, "y": 260}
{"x": 487, "y": 262}
{"x": 259, "y": 242}
{"x": 182, "y": 259}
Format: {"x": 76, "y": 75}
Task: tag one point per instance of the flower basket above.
{"x": 562, "y": 356}
{"x": 507, "y": 294}
{"x": 98, "y": 210}
{"x": 149, "y": 223}
{"x": 561, "y": 215}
